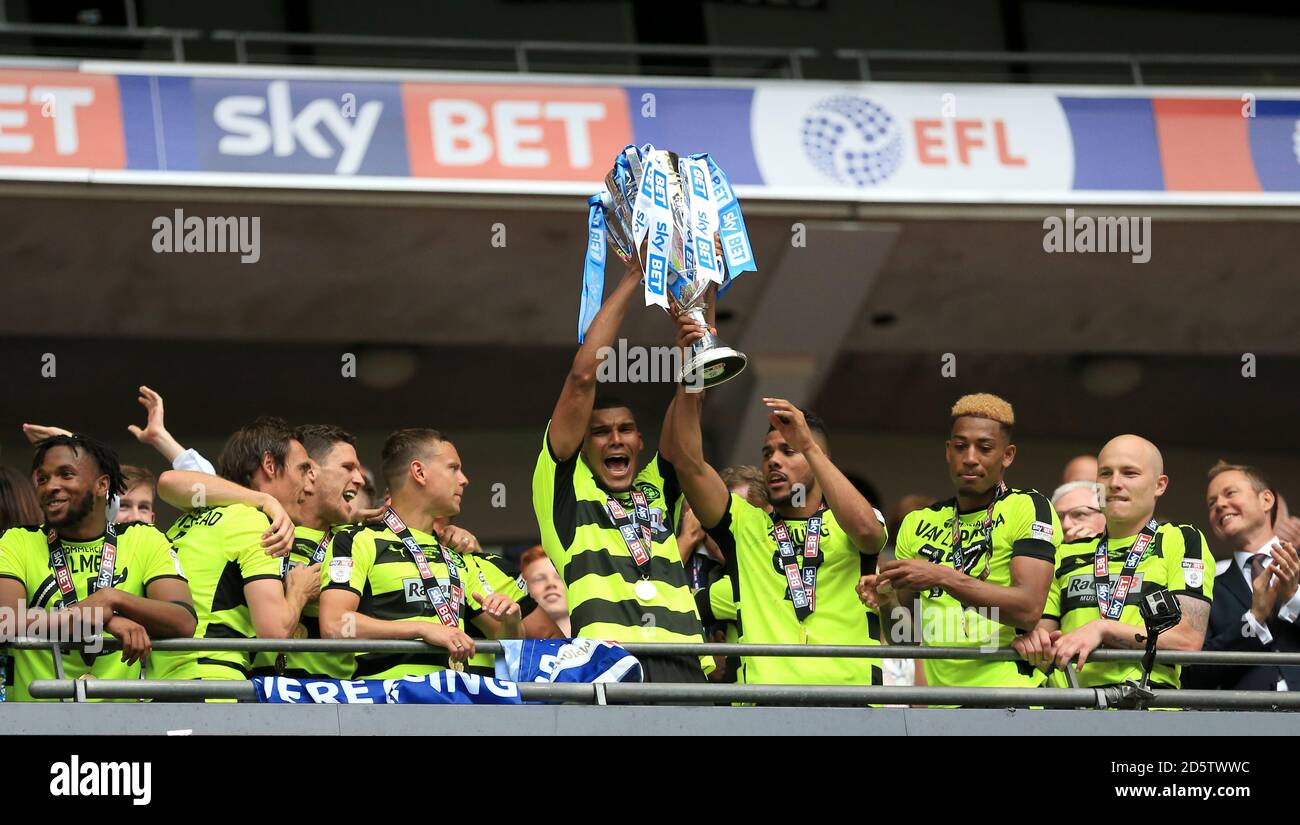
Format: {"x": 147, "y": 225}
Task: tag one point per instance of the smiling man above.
{"x": 330, "y": 505}
{"x": 237, "y": 585}
{"x": 1257, "y": 607}
{"x": 79, "y": 567}
{"x": 980, "y": 561}
{"x": 610, "y": 529}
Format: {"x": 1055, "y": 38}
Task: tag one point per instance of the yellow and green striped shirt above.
{"x": 591, "y": 556}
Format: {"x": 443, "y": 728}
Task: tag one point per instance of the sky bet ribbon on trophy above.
{"x": 669, "y": 212}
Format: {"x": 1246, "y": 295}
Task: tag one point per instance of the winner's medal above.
{"x": 645, "y": 590}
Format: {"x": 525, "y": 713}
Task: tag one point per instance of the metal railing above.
{"x": 521, "y": 55}
{"x": 620, "y": 693}
{"x": 819, "y": 695}
{"x": 1132, "y": 62}
{"x": 176, "y": 37}
{"x": 520, "y": 50}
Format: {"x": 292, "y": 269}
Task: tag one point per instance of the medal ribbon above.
{"x": 59, "y": 563}
{"x": 803, "y": 583}
{"x": 986, "y": 527}
{"x": 445, "y": 604}
{"x": 635, "y": 528}
{"x": 1112, "y": 605}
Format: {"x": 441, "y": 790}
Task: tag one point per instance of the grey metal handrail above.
{"x": 519, "y": 48}
{"x": 621, "y": 693}
{"x": 1134, "y": 62}
{"x": 176, "y": 36}
{"x": 1170, "y": 657}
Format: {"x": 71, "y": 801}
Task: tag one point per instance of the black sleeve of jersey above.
{"x": 1034, "y": 549}
{"x": 705, "y": 607}
{"x": 1192, "y": 549}
{"x": 722, "y": 535}
{"x": 726, "y": 541}
{"x": 672, "y": 487}
{"x": 1037, "y": 548}
{"x": 564, "y": 503}
{"x": 341, "y": 548}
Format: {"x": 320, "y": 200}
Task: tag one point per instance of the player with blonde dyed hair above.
{"x": 980, "y": 563}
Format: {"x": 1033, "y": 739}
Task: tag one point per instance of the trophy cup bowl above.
{"x": 709, "y": 362}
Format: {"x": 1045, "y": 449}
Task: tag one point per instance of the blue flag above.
{"x": 447, "y": 687}
{"x": 566, "y": 660}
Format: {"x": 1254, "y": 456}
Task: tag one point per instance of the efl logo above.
{"x": 77, "y": 778}
{"x": 514, "y": 132}
{"x": 957, "y": 141}
{"x": 60, "y": 119}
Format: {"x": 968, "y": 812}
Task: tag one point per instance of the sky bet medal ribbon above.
{"x": 671, "y": 213}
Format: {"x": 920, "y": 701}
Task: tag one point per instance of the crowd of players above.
{"x": 289, "y": 536}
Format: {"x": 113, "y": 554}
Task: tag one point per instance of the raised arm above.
{"x": 155, "y": 434}
{"x": 573, "y": 410}
{"x": 852, "y": 510}
{"x": 684, "y": 449}
{"x": 187, "y": 490}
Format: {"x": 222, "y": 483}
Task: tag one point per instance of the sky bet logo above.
{"x": 658, "y": 262}
{"x": 698, "y": 189}
{"x": 661, "y": 189}
{"x": 313, "y": 127}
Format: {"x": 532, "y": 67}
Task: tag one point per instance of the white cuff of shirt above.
{"x": 1256, "y": 629}
{"x": 191, "y": 460}
{"x": 1291, "y": 610}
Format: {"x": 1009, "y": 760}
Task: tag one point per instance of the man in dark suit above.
{"x": 1256, "y": 603}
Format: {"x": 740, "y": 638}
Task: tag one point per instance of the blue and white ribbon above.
{"x": 659, "y": 232}
{"x": 735, "y": 239}
{"x": 593, "y": 275}
{"x": 641, "y": 206}
{"x": 702, "y": 214}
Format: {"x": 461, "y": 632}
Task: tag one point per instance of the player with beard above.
{"x": 237, "y": 584}
{"x": 78, "y": 568}
{"x": 609, "y": 529}
{"x": 981, "y": 561}
{"x": 794, "y": 570}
